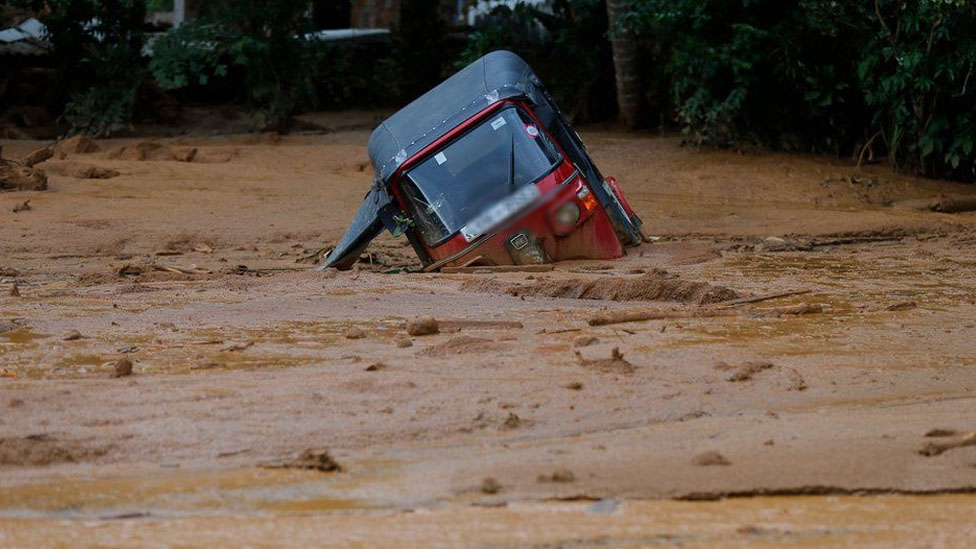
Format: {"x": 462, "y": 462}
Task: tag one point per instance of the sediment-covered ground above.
{"x": 191, "y": 259}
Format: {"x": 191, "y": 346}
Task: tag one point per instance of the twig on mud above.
{"x": 935, "y": 448}
{"x": 607, "y": 319}
{"x": 758, "y": 298}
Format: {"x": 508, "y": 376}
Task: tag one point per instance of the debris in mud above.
{"x": 38, "y": 156}
{"x": 512, "y": 421}
{"x": 608, "y": 318}
{"x": 423, "y": 325}
{"x": 902, "y": 306}
{"x": 312, "y": 459}
{"x": 490, "y": 485}
{"x": 575, "y": 385}
{"x": 404, "y": 342}
{"x": 936, "y": 448}
{"x": 709, "y": 459}
{"x": 375, "y": 367}
{"x": 22, "y": 207}
{"x": 777, "y": 244}
{"x": 614, "y": 364}
{"x": 72, "y": 335}
{"x": 939, "y": 433}
{"x": 43, "y": 449}
{"x": 584, "y": 341}
{"x": 559, "y": 475}
{"x": 129, "y": 270}
{"x": 794, "y": 310}
{"x": 14, "y": 290}
{"x": 657, "y": 285}
{"x": 236, "y": 347}
{"x": 355, "y": 332}
{"x": 16, "y": 177}
{"x": 797, "y": 382}
{"x": 943, "y": 203}
{"x": 461, "y": 345}
{"x": 8, "y": 271}
{"x": 744, "y": 371}
{"x": 122, "y": 368}
{"x": 10, "y": 325}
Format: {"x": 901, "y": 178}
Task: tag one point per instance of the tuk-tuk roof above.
{"x": 496, "y": 76}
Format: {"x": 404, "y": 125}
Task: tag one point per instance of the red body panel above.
{"x": 593, "y": 237}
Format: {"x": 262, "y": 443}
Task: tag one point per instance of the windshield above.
{"x": 471, "y": 174}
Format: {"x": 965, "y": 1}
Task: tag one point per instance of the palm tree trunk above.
{"x": 630, "y": 99}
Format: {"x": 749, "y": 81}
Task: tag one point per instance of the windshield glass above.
{"x": 471, "y": 174}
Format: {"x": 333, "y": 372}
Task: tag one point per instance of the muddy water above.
{"x": 835, "y": 521}
{"x": 843, "y": 406}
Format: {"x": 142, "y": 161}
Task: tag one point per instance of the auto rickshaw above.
{"x": 485, "y": 170}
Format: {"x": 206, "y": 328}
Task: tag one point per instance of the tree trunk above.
{"x": 630, "y": 99}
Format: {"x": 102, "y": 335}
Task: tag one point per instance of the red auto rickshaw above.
{"x": 485, "y": 170}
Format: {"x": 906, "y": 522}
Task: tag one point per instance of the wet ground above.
{"x": 515, "y": 425}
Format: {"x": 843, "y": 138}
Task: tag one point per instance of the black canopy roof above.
{"x": 496, "y": 76}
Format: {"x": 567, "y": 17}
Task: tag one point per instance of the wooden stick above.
{"x": 758, "y": 298}
{"x": 640, "y": 316}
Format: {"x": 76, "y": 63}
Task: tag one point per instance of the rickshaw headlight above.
{"x": 568, "y": 214}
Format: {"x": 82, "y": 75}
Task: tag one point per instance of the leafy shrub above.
{"x": 97, "y": 47}
{"x": 854, "y": 78}
{"x": 264, "y": 40}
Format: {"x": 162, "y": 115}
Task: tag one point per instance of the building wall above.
{"x": 375, "y": 14}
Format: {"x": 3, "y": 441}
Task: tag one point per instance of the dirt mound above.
{"x": 43, "y": 449}
{"x": 147, "y": 150}
{"x": 461, "y": 345}
{"x": 80, "y": 171}
{"x": 14, "y": 177}
{"x": 78, "y": 144}
{"x": 657, "y": 285}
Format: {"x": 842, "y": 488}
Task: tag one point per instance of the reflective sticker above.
{"x": 532, "y": 131}
{"x": 440, "y": 158}
{"x": 497, "y": 123}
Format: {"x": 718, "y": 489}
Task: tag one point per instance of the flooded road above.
{"x": 521, "y": 423}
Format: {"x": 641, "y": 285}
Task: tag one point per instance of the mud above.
{"x": 658, "y": 285}
{"x": 170, "y": 261}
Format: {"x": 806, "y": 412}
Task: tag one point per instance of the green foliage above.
{"x": 97, "y": 46}
{"x": 572, "y": 55}
{"x": 880, "y": 77}
{"x": 264, "y": 40}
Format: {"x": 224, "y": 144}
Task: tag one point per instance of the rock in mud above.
{"x": 575, "y": 385}
{"x": 709, "y": 459}
{"x": 122, "y": 368}
{"x": 490, "y": 486}
{"x": 311, "y": 459}
{"x": 403, "y": 343}
{"x": 614, "y": 364}
{"x": 14, "y": 290}
{"x": 559, "y": 475}
{"x": 22, "y": 207}
{"x": 902, "y": 306}
{"x": 657, "y": 285}
{"x": 72, "y": 335}
{"x": 375, "y": 367}
{"x": 236, "y": 347}
{"x": 584, "y": 341}
{"x": 795, "y": 310}
{"x": 81, "y": 171}
{"x": 423, "y": 325}
{"x": 355, "y": 332}
{"x": 512, "y": 421}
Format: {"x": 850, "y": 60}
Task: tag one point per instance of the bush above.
{"x": 854, "y": 78}
{"x": 264, "y": 40}
{"x": 97, "y": 48}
